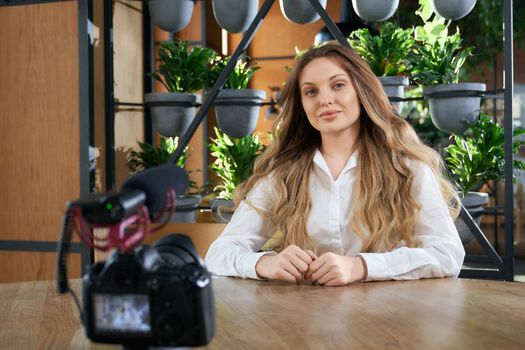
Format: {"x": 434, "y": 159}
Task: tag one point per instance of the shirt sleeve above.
{"x": 441, "y": 252}
{"x": 235, "y": 252}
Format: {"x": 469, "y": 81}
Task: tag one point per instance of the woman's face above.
{"x": 329, "y": 98}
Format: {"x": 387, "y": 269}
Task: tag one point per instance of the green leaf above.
{"x": 234, "y": 160}
{"x": 478, "y": 155}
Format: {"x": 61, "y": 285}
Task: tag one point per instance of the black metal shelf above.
{"x": 504, "y": 268}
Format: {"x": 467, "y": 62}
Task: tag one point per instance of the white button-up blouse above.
{"x": 441, "y": 253}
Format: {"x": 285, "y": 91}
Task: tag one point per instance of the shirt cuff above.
{"x": 249, "y": 264}
{"x": 376, "y": 266}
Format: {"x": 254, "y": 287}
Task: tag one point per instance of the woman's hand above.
{"x": 289, "y": 265}
{"x": 335, "y": 270}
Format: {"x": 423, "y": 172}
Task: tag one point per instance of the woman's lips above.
{"x": 328, "y": 114}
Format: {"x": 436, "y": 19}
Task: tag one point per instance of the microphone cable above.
{"x": 63, "y": 248}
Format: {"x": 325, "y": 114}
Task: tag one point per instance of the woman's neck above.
{"x": 336, "y": 150}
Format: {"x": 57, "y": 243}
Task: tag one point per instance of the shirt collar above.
{"x": 321, "y": 163}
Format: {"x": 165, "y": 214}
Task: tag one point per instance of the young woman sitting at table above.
{"x": 350, "y": 189}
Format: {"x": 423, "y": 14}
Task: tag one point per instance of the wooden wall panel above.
{"x": 272, "y": 73}
{"x": 39, "y": 134}
{"x": 202, "y": 235}
{"x": 129, "y": 81}
{"x": 278, "y": 37}
{"x": 39, "y": 130}
{"x": 31, "y": 266}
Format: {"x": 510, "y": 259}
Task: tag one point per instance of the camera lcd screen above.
{"x": 122, "y": 314}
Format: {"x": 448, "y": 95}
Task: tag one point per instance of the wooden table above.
{"x": 425, "y": 314}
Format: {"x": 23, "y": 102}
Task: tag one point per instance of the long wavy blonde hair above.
{"x": 384, "y": 212}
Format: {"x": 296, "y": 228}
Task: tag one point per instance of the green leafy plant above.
{"x": 234, "y": 160}
{"x": 239, "y": 76}
{"x": 482, "y": 29}
{"x": 439, "y": 63}
{"x": 182, "y": 69}
{"x": 149, "y": 156}
{"x": 386, "y": 54}
{"x": 478, "y": 155}
{"x": 437, "y": 57}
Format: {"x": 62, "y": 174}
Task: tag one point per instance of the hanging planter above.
{"x": 474, "y": 203}
{"x": 395, "y": 87}
{"x": 452, "y": 9}
{"x": 186, "y": 207}
{"x": 171, "y": 112}
{"x": 183, "y": 71}
{"x": 454, "y": 106}
{"x": 300, "y": 11}
{"x": 222, "y": 210}
{"x": 236, "y": 107}
{"x": 171, "y": 15}
{"x": 375, "y": 10}
{"x": 235, "y": 16}
{"x": 237, "y": 111}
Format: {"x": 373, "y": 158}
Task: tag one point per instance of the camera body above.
{"x": 159, "y": 295}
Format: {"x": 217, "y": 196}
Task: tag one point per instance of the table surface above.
{"x": 424, "y": 314}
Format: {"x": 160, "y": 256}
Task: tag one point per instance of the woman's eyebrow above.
{"x": 331, "y": 78}
{"x": 338, "y": 75}
{"x": 307, "y": 83}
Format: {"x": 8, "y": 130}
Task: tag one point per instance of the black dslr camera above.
{"x": 153, "y": 296}
{"x": 142, "y": 296}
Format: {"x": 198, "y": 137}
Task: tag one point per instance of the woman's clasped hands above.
{"x": 294, "y": 264}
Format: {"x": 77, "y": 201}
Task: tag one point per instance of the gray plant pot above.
{"x": 395, "y": 87}
{"x": 171, "y": 15}
{"x": 235, "y": 116}
{"x": 449, "y": 110}
{"x": 473, "y": 203}
{"x": 221, "y": 209}
{"x": 171, "y": 121}
{"x": 235, "y": 16}
{"x": 300, "y": 11}
{"x": 185, "y": 209}
{"x": 452, "y": 9}
{"x": 375, "y": 10}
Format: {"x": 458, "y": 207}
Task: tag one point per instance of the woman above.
{"x": 351, "y": 191}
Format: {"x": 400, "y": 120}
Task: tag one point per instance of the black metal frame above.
{"x": 505, "y": 266}
{"x": 149, "y": 64}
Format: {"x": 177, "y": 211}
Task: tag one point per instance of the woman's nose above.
{"x": 326, "y": 97}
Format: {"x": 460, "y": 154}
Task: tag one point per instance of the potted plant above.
{"x": 387, "y": 55}
{"x": 300, "y": 11}
{"x": 233, "y": 165}
{"x": 171, "y": 15}
{"x": 149, "y": 156}
{"x": 375, "y": 10}
{"x": 183, "y": 72}
{"x": 238, "y": 20}
{"x": 436, "y": 61}
{"x": 476, "y": 157}
{"x": 236, "y": 107}
{"x": 452, "y": 9}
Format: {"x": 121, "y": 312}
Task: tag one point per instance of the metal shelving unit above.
{"x": 504, "y": 265}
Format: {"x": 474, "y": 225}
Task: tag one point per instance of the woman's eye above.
{"x": 339, "y": 85}
{"x": 309, "y": 92}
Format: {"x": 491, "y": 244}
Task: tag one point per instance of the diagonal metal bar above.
{"x": 203, "y": 111}
{"x": 485, "y": 244}
{"x": 329, "y": 23}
